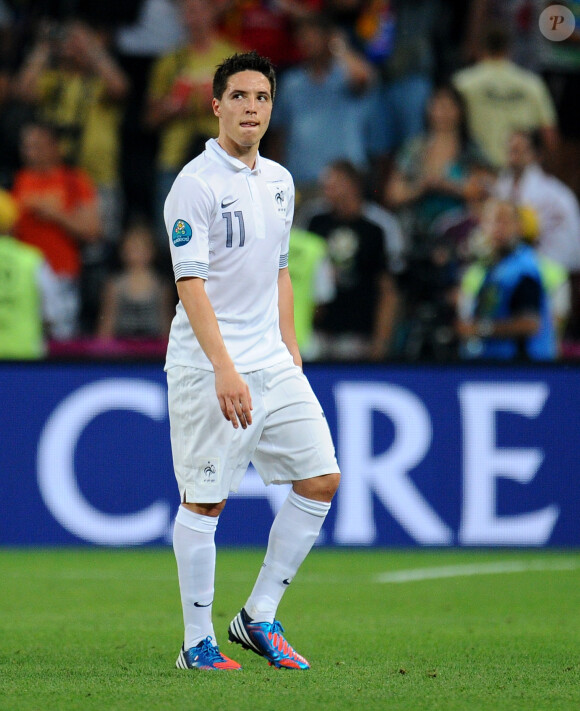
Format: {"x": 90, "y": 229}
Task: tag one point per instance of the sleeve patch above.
{"x": 181, "y": 233}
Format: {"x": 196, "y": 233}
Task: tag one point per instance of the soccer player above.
{"x": 235, "y": 382}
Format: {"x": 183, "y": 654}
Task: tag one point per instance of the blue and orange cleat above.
{"x": 267, "y": 640}
{"x": 205, "y": 655}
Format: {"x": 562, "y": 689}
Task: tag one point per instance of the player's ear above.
{"x": 215, "y": 104}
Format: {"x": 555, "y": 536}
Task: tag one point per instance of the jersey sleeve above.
{"x": 188, "y": 210}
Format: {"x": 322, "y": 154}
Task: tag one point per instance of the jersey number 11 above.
{"x": 230, "y": 227}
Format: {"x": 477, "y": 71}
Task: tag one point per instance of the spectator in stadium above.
{"x": 73, "y": 81}
{"x": 76, "y": 84}
{"x": 526, "y": 183}
{"x": 179, "y": 99}
{"x": 137, "y": 303}
{"x": 502, "y": 97}
{"x": 235, "y": 383}
{"x": 28, "y": 292}
{"x": 404, "y": 40}
{"x": 432, "y": 170}
{"x": 557, "y": 208}
{"x": 509, "y": 318}
{"x": 58, "y": 213}
{"x": 395, "y": 240}
{"x": 554, "y": 276}
{"x": 323, "y": 107}
{"x": 358, "y": 323}
{"x": 519, "y": 17}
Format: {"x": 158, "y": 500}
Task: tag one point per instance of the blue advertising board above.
{"x": 430, "y": 456}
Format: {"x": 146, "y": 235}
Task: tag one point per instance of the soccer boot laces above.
{"x": 205, "y": 655}
{"x": 267, "y": 640}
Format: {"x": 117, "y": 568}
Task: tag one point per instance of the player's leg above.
{"x": 294, "y": 531}
{"x": 207, "y": 452}
{"x": 297, "y": 445}
{"x": 195, "y": 553}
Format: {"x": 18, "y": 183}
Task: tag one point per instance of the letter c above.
{"x": 56, "y": 476}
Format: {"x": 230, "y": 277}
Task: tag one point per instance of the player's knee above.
{"x": 331, "y": 482}
{"x": 319, "y": 488}
{"x": 206, "y": 509}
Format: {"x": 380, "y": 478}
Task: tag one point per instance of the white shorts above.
{"x": 289, "y": 438}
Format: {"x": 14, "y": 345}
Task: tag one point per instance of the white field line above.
{"x": 457, "y": 571}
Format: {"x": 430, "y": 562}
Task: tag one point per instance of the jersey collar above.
{"x": 217, "y": 153}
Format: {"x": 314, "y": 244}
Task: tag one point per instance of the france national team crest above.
{"x": 279, "y": 192}
{"x": 181, "y": 233}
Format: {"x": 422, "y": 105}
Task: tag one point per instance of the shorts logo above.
{"x": 209, "y": 472}
{"x": 181, "y": 233}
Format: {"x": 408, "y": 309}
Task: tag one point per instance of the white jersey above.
{"x": 230, "y": 225}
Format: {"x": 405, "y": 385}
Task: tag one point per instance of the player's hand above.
{"x": 234, "y": 397}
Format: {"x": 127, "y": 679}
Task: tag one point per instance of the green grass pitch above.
{"x": 99, "y": 629}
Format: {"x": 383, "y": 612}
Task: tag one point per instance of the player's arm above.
{"x": 286, "y": 314}
{"x": 231, "y": 389}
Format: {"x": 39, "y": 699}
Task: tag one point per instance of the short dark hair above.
{"x": 348, "y": 170}
{"x": 459, "y": 100}
{"x": 49, "y": 127}
{"x": 497, "y": 39}
{"x": 241, "y": 62}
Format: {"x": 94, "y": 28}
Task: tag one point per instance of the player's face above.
{"x": 244, "y": 110}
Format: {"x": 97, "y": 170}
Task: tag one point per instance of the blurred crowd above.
{"x": 434, "y": 144}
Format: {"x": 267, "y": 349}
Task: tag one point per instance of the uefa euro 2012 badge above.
{"x": 181, "y": 233}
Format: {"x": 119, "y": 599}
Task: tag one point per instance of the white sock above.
{"x": 293, "y": 533}
{"x": 194, "y": 546}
